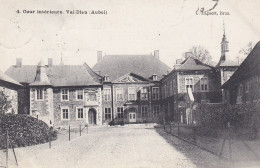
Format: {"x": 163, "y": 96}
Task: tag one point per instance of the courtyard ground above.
{"x": 133, "y": 146}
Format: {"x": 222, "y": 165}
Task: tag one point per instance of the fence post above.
{"x": 87, "y": 129}
{"x": 50, "y": 138}
{"x": 69, "y": 132}
{"x": 194, "y": 134}
{"x": 170, "y": 128}
{"x": 178, "y": 128}
{"x": 79, "y": 129}
{"x": 229, "y": 140}
{"x": 164, "y": 126}
{"x": 14, "y": 155}
{"x": 7, "y": 139}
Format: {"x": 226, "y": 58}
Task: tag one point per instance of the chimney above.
{"x": 178, "y": 63}
{"x": 156, "y": 54}
{"x": 50, "y": 62}
{"x": 106, "y": 78}
{"x": 99, "y": 55}
{"x": 154, "y": 77}
{"x": 19, "y": 62}
{"x": 188, "y": 54}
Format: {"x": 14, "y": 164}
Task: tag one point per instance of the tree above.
{"x": 245, "y": 51}
{"x": 201, "y": 54}
{"x": 5, "y": 104}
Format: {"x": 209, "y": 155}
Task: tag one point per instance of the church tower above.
{"x": 224, "y": 46}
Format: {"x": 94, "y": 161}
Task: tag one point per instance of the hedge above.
{"x": 215, "y": 118}
{"x": 24, "y": 130}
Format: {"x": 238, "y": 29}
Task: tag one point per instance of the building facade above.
{"x": 191, "y": 83}
{"x": 61, "y": 95}
{"x": 131, "y": 87}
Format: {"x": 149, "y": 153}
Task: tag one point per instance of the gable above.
{"x": 130, "y": 78}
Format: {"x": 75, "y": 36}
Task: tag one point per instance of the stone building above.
{"x": 193, "y": 74}
{"x": 191, "y": 82}
{"x": 60, "y": 95}
{"x": 131, "y": 87}
{"x": 9, "y": 88}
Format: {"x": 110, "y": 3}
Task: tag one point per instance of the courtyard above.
{"x": 133, "y": 146}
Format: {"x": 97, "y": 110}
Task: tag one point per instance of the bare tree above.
{"x": 5, "y": 104}
{"x": 245, "y": 51}
{"x": 201, "y": 54}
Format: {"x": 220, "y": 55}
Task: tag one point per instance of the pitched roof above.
{"x": 227, "y": 63}
{"x": 118, "y": 65}
{"x": 192, "y": 63}
{"x": 41, "y": 78}
{"x": 5, "y": 78}
{"x": 249, "y": 67}
{"x": 59, "y": 75}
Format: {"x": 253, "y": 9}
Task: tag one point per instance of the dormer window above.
{"x": 106, "y": 78}
{"x": 154, "y": 77}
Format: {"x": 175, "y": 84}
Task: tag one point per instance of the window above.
{"x": 92, "y": 97}
{"x": 156, "y": 110}
{"x": 119, "y": 94}
{"x": 107, "y": 113}
{"x": 64, "y": 94}
{"x": 155, "y": 92}
{"x": 120, "y": 112}
{"x": 79, "y": 94}
{"x": 131, "y": 94}
{"x": 144, "y": 93}
{"x": 204, "y": 84}
{"x": 189, "y": 83}
{"x": 64, "y": 113}
{"x": 39, "y": 94}
{"x": 80, "y": 113}
{"x": 144, "y": 110}
{"x": 107, "y": 95}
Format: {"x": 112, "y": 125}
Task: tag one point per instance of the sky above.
{"x": 130, "y": 27}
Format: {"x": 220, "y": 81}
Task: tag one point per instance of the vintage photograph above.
{"x": 130, "y": 84}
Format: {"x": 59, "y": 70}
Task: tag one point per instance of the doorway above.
{"x": 92, "y": 116}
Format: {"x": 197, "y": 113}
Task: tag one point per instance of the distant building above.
{"x": 244, "y": 85}
{"x": 9, "y": 88}
{"x": 225, "y": 67}
{"x": 131, "y": 87}
{"x": 59, "y": 94}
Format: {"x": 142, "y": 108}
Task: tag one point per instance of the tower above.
{"x": 224, "y": 45}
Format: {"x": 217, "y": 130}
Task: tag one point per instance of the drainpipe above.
{"x": 112, "y": 99}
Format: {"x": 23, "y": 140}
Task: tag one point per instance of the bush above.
{"x": 24, "y": 130}
{"x": 216, "y": 117}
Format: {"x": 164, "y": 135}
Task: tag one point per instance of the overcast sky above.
{"x": 130, "y": 27}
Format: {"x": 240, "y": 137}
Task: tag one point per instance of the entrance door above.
{"x": 132, "y": 117}
{"x": 92, "y": 116}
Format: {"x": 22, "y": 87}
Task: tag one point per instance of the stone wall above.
{"x": 42, "y": 109}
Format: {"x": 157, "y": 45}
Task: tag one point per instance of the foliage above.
{"x": 217, "y": 117}
{"x": 24, "y": 130}
{"x": 5, "y": 104}
{"x": 201, "y": 54}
